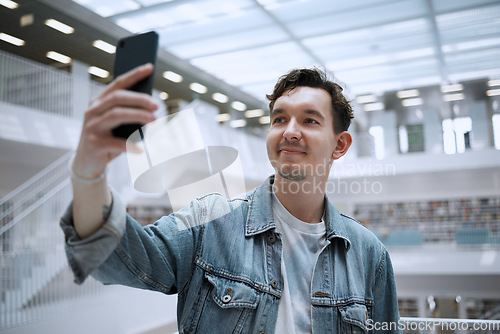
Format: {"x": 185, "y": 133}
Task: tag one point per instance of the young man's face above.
{"x": 301, "y": 142}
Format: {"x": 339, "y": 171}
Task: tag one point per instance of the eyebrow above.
{"x": 307, "y": 111}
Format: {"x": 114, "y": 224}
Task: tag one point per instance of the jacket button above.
{"x": 271, "y": 238}
{"x": 226, "y": 299}
{"x": 274, "y": 284}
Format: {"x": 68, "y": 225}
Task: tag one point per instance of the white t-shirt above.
{"x": 302, "y": 243}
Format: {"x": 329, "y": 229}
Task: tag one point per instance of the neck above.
{"x": 305, "y": 200}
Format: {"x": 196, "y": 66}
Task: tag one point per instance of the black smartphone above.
{"x": 133, "y": 51}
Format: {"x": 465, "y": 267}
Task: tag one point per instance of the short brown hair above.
{"x": 315, "y": 78}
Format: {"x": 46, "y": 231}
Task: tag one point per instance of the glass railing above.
{"x": 33, "y": 85}
{"x": 32, "y": 258}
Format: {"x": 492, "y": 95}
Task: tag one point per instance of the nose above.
{"x": 292, "y": 131}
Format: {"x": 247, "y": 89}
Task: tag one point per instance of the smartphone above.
{"x": 133, "y": 51}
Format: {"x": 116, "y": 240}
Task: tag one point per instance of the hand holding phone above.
{"x": 131, "y": 52}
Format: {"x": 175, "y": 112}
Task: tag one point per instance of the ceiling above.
{"x": 370, "y": 45}
{"x": 241, "y": 47}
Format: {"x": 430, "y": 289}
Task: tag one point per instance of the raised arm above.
{"x": 97, "y": 147}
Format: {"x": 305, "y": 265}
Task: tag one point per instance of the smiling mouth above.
{"x": 290, "y": 151}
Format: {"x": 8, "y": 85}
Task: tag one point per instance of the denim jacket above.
{"x": 223, "y": 259}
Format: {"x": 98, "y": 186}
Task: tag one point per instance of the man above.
{"x": 279, "y": 259}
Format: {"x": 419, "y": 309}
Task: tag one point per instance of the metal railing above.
{"x": 34, "y": 276}
{"x": 33, "y": 85}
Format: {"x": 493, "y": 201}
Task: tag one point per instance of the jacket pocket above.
{"x": 230, "y": 294}
{"x": 354, "y": 318}
{"x": 222, "y": 305}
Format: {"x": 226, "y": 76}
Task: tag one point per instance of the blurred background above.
{"x": 423, "y": 173}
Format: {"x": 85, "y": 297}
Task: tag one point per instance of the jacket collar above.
{"x": 260, "y": 215}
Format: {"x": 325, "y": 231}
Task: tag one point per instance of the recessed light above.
{"x": 219, "y": 97}
{"x": 11, "y": 39}
{"x": 223, "y": 117}
{"x": 238, "y": 123}
{"x": 373, "y": 106}
{"x": 172, "y": 76}
{"x": 59, "y": 26}
{"x": 240, "y": 106}
{"x": 254, "y": 113}
{"x": 265, "y": 120}
{"x": 402, "y": 94}
{"x": 9, "y": 4}
{"x": 26, "y": 20}
{"x": 412, "y": 102}
{"x": 453, "y": 97}
{"x": 58, "y": 57}
{"x": 198, "y": 88}
{"x": 99, "y": 72}
{"x": 493, "y": 92}
{"x": 495, "y": 82}
{"x": 451, "y": 88}
{"x": 104, "y": 46}
{"x": 163, "y": 95}
{"x": 366, "y": 98}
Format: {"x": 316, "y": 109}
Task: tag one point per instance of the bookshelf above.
{"x": 482, "y": 308}
{"x": 436, "y": 219}
{"x": 408, "y": 307}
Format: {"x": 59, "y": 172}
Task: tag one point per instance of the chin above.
{"x": 291, "y": 174}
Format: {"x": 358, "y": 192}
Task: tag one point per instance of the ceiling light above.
{"x": 453, "y": 97}
{"x": 64, "y": 28}
{"x": 163, "y": 95}
{"x": 265, "y": 120}
{"x": 402, "y": 94}
{"x": 254, "y": 113}
{"x": 366, "y": 98}
{"x": 238, "y": 123}
{"x": 172, "y": 76}
{"x": 223, "y": 117}
{"x": 451, "y": 88}
{"x": 9, "y": 4}
{"x": 493, "y": 92}
{"x": 98, "y": 72}
{"x": 104, "y": 46}
{"x": 412, "y": 102}
{"x": 495, "y": 82}
{"x": 238, "y": 106}
{"x": 58, "y": 57}
{"x": 26, "y": 20}
{"x": 373, "y": 106}
{"x": 198, "y": 88}
{"x": 11, "y": 39}
{"x": 220, "y": 97}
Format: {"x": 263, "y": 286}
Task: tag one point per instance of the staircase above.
{"x": 31, "y": 241}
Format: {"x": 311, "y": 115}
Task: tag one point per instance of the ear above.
{"x": 344, "y": 141}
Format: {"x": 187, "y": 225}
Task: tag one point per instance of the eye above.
{"x": 311, "y": 121}
{"x": 278, "y": 120}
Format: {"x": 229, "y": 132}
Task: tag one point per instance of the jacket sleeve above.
{"x": 156, "y": 257}
{"x": 85, "y": 255}
{"x": 385, "y": 308}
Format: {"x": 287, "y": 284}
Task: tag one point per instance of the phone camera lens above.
{"x": 121, "y": 44}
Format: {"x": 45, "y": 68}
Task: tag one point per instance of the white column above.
{"x": 81, "y": 88}
{"x": 389, "y": 124}
{"x": 422, "y": 307}
{"x": 433, "y": 131}
{"x": 480, "y": 136}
